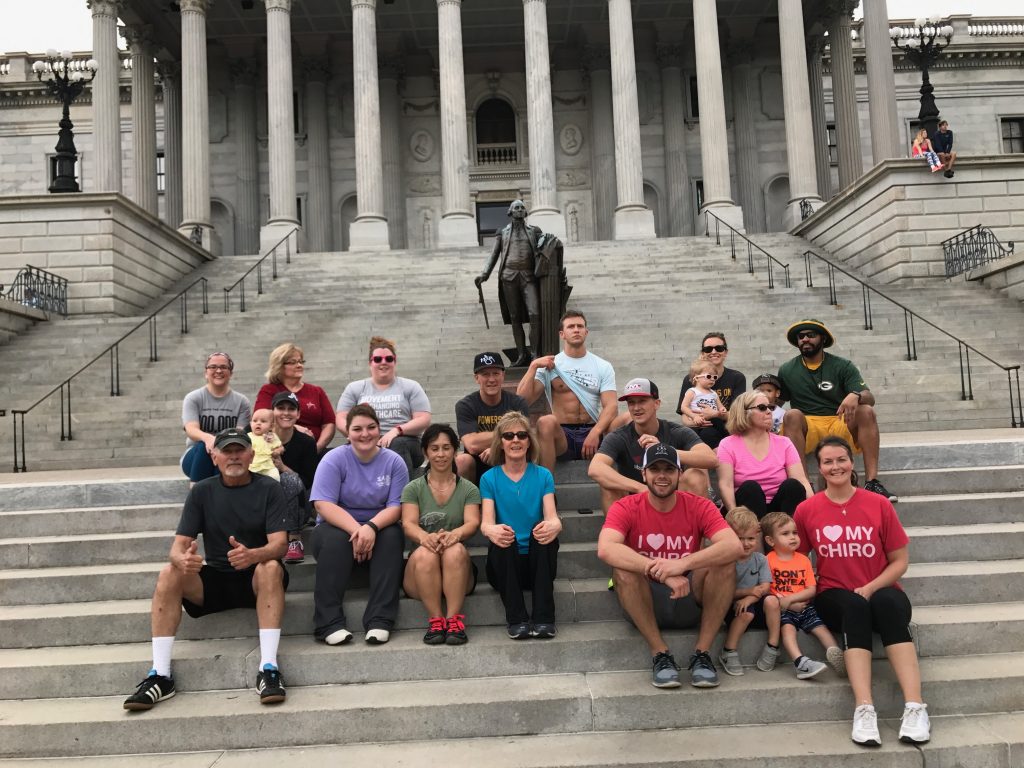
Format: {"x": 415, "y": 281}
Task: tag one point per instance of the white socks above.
{"x": 269, "y": 640}
{"x": 162, "y": 655}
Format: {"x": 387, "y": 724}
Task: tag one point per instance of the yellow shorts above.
{"x": 820, "y": 427}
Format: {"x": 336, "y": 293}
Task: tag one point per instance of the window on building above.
{"x": 698, "y": 193}
{"x": 694, "y": 100}
{"x": 1012, "y": 134}
{"x": 298, "y": 209}
{"x": 51, "y": 162}
{"x": 161, "y": 169}
{"x": 495, "y": 133}
{"x": 833, "y": 145}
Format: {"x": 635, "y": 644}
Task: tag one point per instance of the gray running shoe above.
{"x": 730, "y": 661}
{"x": 702, "y": 671}
{"x": 766, "y": 661}
{"x": 808, "y": 668}
{"x": 666, "y": 671}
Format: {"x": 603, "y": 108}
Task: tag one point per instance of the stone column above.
{"x": 170, "y": 77}
{"x": 714, "y": 146}
{"x": 819, "y": 124}
{"x": 195, "y": 128}
{"x": 318, "y": 154}
{"x": 673, "y": 122}
{"x": 844, "y": 96}
{"x": 544, "y": 211}
{"x": 602, "y": 145}
{"x": 391, "y": 79}
{"x": 369, "y": 231}
{"x": 106, "y": 99}
{"x": 140, "y": 42}
{"x": 748, "y": 156}
{"x": 633, "y": 219}
{"x": 280, "y": 127}
{"x": 796, "y": 104}
{"x": 458, "y": 224}
{"x": 245, "y": 74}
{"x": 885, "y": 130}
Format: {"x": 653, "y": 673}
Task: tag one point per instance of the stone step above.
{"x": 988, "y": 740}
{"x": 589, "y": 646}
{"x": 483, "y": 707}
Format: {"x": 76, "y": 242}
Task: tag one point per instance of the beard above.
{"x": 814, "y": 350}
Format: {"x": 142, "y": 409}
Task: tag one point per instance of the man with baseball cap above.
{"x": 478, "y": 412}
{"x": 828, "y": 396}
{"x": 616, "y": 466}
{"x": 241, "y": 516}
{"x": 663, "y": 579}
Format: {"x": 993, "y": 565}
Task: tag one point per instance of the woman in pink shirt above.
{"x": 756, "y": 468}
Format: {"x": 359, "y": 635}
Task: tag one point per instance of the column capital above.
{"x": 542, "y": 2}
{"x": 316, "y": 69}
{"x": 139, "y": 38}
{"x": 105, "y": 7}
{"x": 446, "y": 2}
{"x": 168, "y": 70}
{"x": 670, "y": 55}
{"x": 279, "y": 5}
{"x": 815, "y": 44}
{"x": 830, "y": 9}
{"x": 195, "y": 6}
{"x": 244, "y": 72}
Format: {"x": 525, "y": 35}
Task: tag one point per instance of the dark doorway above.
{"x": 490, "y": 217}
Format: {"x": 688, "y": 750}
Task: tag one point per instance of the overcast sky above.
{"x": 41, "y": 24}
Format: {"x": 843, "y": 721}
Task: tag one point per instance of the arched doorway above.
{"x": 651, "y": 200}
{"x": 495, "y": 124}
{"x": 347, "y": 214}
{"x": 776, "y": 198}
{"x": 223, "y": 221}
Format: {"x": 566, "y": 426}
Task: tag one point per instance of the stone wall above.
{"x": 890, "y": 224}
{"x": 1006, "y": 275}
{"x": 116, "y": 257}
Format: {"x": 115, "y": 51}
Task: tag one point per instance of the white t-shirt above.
{"x": 590, "y": 374}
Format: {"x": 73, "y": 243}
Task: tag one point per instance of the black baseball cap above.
{"x": 488, "y": 360}
{"x": 285, "y": 397}
{"x": 767, "y": 378}
{"x": 232, "y": 436}
{"x": 661, "y": 452}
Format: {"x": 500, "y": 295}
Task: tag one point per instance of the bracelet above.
{"x": 399, "y": 428}
{"x": 373, "y": 525}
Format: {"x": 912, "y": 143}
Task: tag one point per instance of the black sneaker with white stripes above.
{"x": 150, "y": 692}
{"x": 270, "y": 685}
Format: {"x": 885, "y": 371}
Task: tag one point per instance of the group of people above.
{"x": 678, "y": 559}
{"x": 936, "y": 150}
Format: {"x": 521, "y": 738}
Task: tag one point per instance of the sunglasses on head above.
{"x": 383, "y": 358}
{"x": 762, "y": 407}
{"x": 713, "y": 348}
{"x": 520, "y": 435}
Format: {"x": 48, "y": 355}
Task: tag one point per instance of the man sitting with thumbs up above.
{"x": 242, "y": 517}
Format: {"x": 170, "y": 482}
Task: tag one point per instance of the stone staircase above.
{"x": 80, "y": 559}
{"x": 648, "y": 305}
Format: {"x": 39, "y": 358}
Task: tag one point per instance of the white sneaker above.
{"x": 808, "y": 668}
{"x": 916, "y": 727}
{"x": 865, "y": 727}
{"x": 377, "y": 636}
{"x": 338, "y": 637}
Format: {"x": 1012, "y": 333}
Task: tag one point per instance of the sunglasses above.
{"x": 714, "y": 348}
{"x": 708, "y": 376}
{"x": 762, "y": 407}
{"x": 383, "y": 358}
{"x": 510, "y": 436}
{"x": 294, "y": 362}
{"x": 807, "y": 335}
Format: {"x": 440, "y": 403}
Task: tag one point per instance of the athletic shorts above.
{"x": 575, "y": 434}
{"x": 224, "y": 590}
{"x": 683, "y": 613}
{"x": 806, "y": 620}
{"x": 755, "y": 608}
{"x": 820, "y": 427}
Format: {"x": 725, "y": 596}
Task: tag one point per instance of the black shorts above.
{"x": 224, "y": 590}
{"x": 755, "y": 608}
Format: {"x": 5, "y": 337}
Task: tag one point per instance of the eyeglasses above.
{"x": 714, "y": 348}
{"x": 708, "y": 376}
{"x": 294, "y": 362}
{"x": 383, "y": 358}
{"x": 762, "y": 407}
{"x": 218, "y": 367}
{"x": 807, "y": 335}
{"x": 510, "y": 436}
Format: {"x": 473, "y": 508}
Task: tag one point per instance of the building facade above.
{"x": 413, "y": 124}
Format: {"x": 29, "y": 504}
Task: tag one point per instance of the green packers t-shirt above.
{"x": 819, "y": 392}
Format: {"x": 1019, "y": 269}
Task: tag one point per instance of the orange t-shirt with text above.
{"x": 790, "y": 576}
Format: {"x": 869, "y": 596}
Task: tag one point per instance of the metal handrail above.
{"x": 258, "y": 267}
{"x": 18, "y": 414}
{"x": 909, "y": 316}
{"x": 750, "y": 246}
{"x": 39, "y": 289}
{"x": 972, "y": 248}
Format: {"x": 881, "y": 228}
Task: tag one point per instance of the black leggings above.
{"x": 790, "y": 493}
{"x": 847, "y": 613}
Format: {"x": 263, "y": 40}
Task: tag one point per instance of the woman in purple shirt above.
{"x": 357, "y": 493}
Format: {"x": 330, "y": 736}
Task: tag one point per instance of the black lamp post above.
{"x": 918, "y": 43}
{"x": 66, "y": 79}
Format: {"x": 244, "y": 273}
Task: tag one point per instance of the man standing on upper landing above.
{"x": 580, "y": 388}
{"x": 828, "y": 396}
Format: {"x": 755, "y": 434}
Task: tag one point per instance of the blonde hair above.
{"x": 700, "y": 365}
{"x": 742, "y": 519}
{"x": 277, "y": 358}
{"x": 738, "y": 421}
{"x": 379, "y": 342}
{"x": 506, "y": 424}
